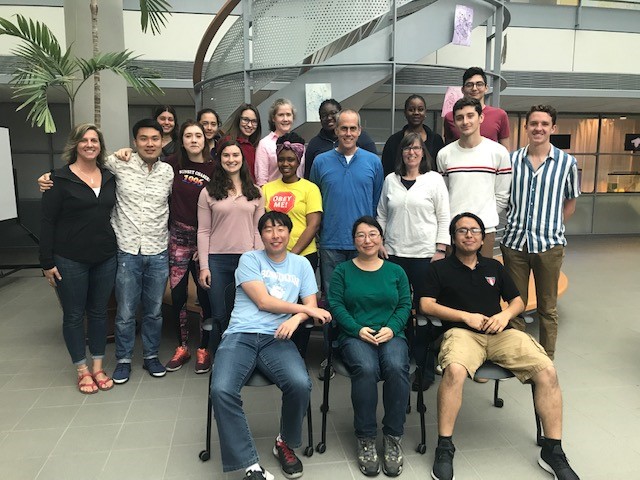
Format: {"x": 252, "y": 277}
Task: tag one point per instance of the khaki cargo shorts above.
{"x": 512, "y": 349}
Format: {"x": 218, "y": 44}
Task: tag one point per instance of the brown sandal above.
{"x": 101, "y": 383}
{"x": 85, "y": 385}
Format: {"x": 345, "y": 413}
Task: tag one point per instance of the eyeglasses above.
{"x": 328, "y": 114}
{"x": 371, "y": 235}
{"x": 249, "y": 121}
{"x": 465, "y": 231}
{"x": 470, "y": 85}
{"x": 412, "y": 148}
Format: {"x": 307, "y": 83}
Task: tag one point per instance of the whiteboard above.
{"x": 8, "y": 207}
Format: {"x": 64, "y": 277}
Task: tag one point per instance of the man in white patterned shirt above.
{"x": 543, "y": 196}
{"x": 140, "y": 220}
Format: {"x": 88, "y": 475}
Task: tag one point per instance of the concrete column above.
{"x": 114, "y": 106}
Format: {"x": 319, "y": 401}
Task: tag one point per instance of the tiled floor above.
{"x": 154, "y": 428}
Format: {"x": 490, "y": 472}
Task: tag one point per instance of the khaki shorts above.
{"x": 512, "y": 349}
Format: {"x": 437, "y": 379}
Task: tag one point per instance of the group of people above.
{"x": 231, "y": 208}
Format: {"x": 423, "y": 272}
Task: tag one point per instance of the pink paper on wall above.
{"x": 451, "y": 96}
{"x": 462, "y": 26}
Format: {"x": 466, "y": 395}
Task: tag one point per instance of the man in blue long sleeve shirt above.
{"x": 350, "y": 180}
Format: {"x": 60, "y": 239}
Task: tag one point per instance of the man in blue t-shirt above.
{"x": 265, "y": 315}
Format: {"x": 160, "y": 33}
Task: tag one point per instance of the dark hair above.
{"x": 291, "y": 137}
{"x": 472, "y": 71}
{"x": 181, "y": 153}
{"x": 543, "y": 108}
{"x": 220, "y": 183}
{"x": 234, "y": 130}
{"x": 146, "y": 123}
{"x": 168, "y": 108}
{"x": 281, "y": 102}
{"x": 414, "y": 97}
{"x": 70, "y": 152}
{"x": 367, "y": 220}
{"x": 277, "y": 218}
{"x": 330, "y": 101}
{"x": 207, "y": 110}
{"x": 454, "y": 220}
{"x": 425, "y": 163}
{"x": 467, "y": 102}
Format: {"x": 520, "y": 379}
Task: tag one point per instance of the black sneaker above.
{"x": 154, "y": 367}
{"x": 368, "y": 457}
{"x": 392, "y": 458}
{"x": 289, "y": 461}
{"x": 261, "y": 474}
{"x": 443, "y": 464}
{"x": 121, "y": 373}
{"x": 555, "y": 462}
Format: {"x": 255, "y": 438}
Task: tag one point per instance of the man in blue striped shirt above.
{"x": 544, "y": 189}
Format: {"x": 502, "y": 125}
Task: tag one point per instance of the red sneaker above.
{"x": 203, "y": 361}
{"x": 181, "y": 357}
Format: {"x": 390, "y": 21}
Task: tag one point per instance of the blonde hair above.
{"x": 70, "y": 151}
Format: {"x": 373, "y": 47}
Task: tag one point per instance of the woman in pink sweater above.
{"x": 228, "y": 212}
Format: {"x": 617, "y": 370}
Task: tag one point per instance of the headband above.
{"x": 297, "y": 148}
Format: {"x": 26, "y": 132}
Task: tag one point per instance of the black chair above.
{"x": 488, "y": 370}
{"x": 334, "y": 360}
{"x": 257, "y": 378}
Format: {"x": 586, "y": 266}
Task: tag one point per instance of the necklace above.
{"x": 85, "y": 176}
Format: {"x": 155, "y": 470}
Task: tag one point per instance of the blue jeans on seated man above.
{"x": 85, "y": 288}
{"x": 368, "y": 364}
{"x": 140, "y": 278}
{"x": 238, "y": 355}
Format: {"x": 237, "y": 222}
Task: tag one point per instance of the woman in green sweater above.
{"x": 371, "y": 301}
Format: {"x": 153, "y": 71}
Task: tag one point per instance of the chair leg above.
{"x": 539, "y": 435}
{"x": 324, "y": 408}
{"x": 206, "y": 453}
{"x": 420, "y": 406}
{"x": 308, "y": 451}
{"x": 497, "y": 401}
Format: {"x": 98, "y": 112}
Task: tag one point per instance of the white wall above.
{"x": 52, "y": 17}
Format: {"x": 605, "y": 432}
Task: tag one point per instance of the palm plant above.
{"x": 43, "y": 65}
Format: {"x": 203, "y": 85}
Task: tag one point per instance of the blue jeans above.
{"x": 368, "y": 364}
{"x": 239, "y": 354}
{"x": 223, "y": 268}
{"x": 329, "y": 260}
{"x": 140, "y": 278}
{"x": 84, "y": 288}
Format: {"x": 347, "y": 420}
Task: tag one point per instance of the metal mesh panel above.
{"x": 286, "y": 32}
{"x": 228, "y": 56}
{"x": 224, "y": 94}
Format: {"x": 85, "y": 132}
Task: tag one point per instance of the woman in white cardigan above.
{"x": 414, "y": 214}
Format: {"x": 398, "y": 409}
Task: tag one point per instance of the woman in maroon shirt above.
{"x": 246, "y": 129}
{"x": 192, "y": 167}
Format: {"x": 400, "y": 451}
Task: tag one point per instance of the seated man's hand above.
{"x": 123, "y": 154}
{"x": 384, "y": 335}
{"x": 288, "y": 327}
{"x": 475, "y": 320}
{"x": 496, "y": 323}
{"x": 45, "y": 182}
{"x": 320, "y": 314}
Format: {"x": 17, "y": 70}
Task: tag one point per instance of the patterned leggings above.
{"x": 182, "y": 247}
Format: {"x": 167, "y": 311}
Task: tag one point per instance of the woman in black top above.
{"x": 415, "y": 111}
{"x": 78, "y": 249}
{"x": 168, "y": 119}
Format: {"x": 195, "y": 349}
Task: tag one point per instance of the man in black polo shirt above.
{"x": 464, "y": 291}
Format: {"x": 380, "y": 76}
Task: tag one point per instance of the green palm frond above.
{"x": 43, "y": 65}
{"x": 154, "y": 12}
